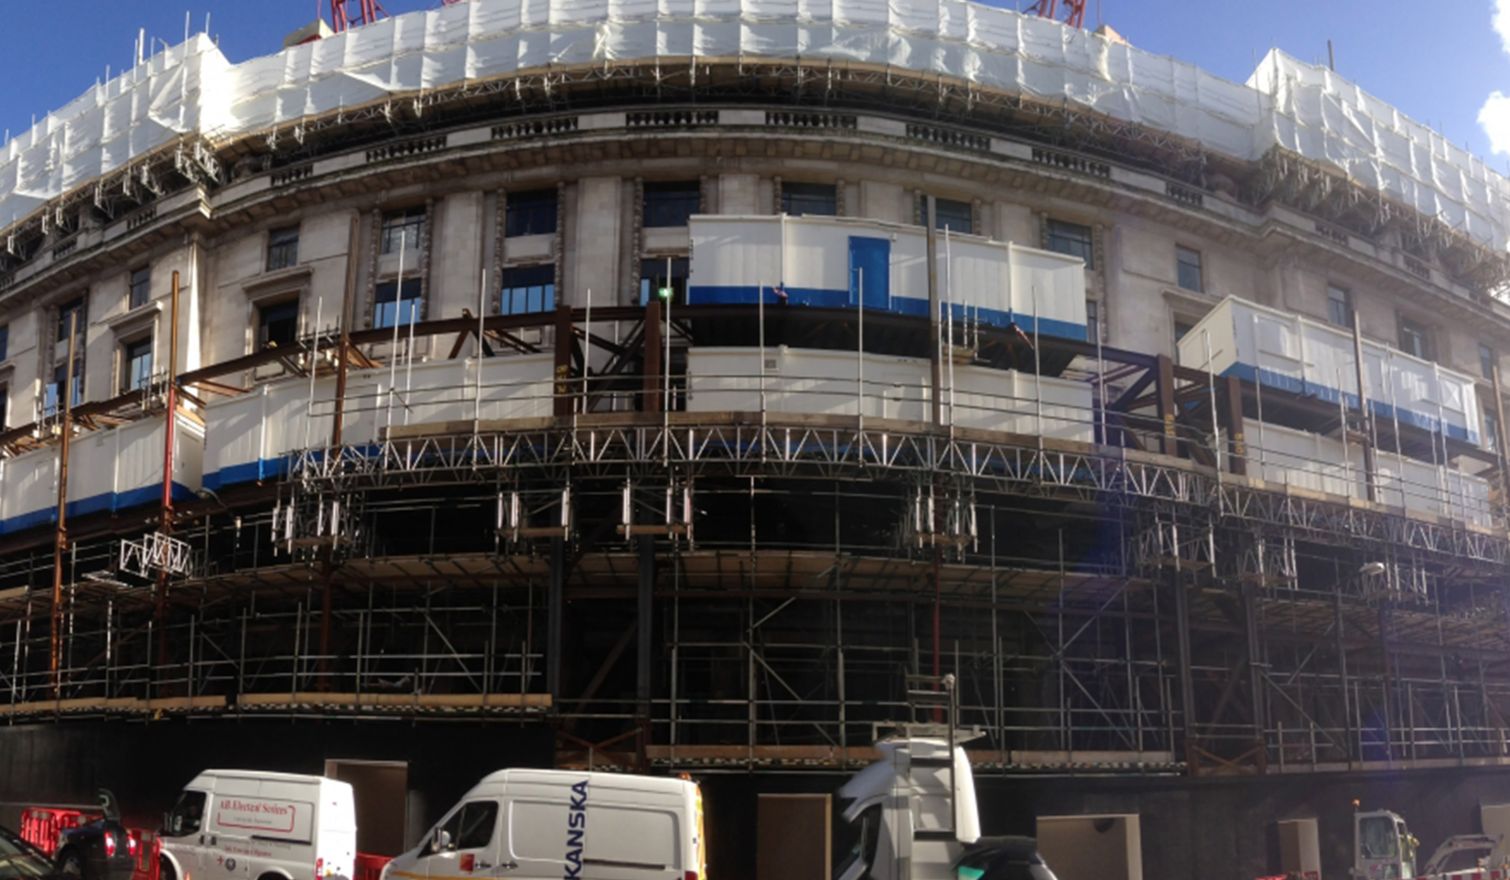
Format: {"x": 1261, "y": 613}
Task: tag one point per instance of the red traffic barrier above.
{"x": 40, "y": 826}
{"x": 144, "y": 848}
{"x": 369, "y": 866}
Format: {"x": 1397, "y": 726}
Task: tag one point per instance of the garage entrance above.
{"x": 381, "y": 789}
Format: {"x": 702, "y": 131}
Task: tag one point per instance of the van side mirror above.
{"x": 442, "y": 840}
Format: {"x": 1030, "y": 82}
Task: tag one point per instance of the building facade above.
{"x": 675, "y": 412}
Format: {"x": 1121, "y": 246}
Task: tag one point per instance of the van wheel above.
{"x": 165, "y": 870}
{"x": 70, "y": 864}
{"x": 271, "y": 876}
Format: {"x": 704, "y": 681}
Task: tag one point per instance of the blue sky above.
{"x": 1439, "y": 67}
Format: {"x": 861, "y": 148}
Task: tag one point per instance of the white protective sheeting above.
{"x": 822, "y": 261}
{"x": 192, "y": 88}
{"x": 1303, "y": 460}
{"x": 827, "y": 382}
{"x": 1300, "y": 355}
{"x": 252, "y": 436}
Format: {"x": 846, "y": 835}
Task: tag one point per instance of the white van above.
{"x": 251, "y": 825}
{"x": 565, "y": 825}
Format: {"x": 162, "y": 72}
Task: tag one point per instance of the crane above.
{"x": 365, "y": 12}
{"x": 1074, "y": 11}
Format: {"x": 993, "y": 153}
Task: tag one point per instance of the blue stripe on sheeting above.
{"x": 1425, "y": 421}
{"x": 706, "y": 294}
{"x": 101, "y": 503}
{"x": 248, "y": 472}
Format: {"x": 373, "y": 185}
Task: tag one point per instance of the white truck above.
{"x": 256, "y": 825}
{"x": 551, "y": 824}
{"x": 1384, "y": 849}
{"x": 914, "y": 810}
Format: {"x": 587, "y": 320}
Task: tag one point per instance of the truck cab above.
{"x": 914, "y": 810}
{"x": 1383, "y": 847}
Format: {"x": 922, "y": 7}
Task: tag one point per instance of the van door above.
{"x": 183, "y": 832}
{"x": 464, "y": 844}
{"x": 605, "y": 842}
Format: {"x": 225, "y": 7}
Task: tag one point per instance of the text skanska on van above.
{"x": 576, "y": 831}
{"x": 240, "y": 806}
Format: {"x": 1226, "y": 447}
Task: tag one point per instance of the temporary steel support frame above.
{"x": 1145, "y": 671}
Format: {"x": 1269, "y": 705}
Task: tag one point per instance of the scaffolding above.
{"x": 672, "y": 587}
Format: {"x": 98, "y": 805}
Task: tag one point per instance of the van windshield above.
{"x": 868, "y": 824}
{"x": 187, "y": 815}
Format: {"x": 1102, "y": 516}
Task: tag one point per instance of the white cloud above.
{"x": 1501, "y": 22}
{"x": 1494, "y": 116}
{"x": 1494, "y": 119}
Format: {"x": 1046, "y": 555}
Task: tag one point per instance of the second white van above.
{"x": 565, "y": 825}
{"x": 254, "y": 825}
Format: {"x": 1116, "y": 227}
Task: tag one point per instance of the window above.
{"x": 1188, "y": 268}
{"x": 4, "y": 341}
{"x": 1339, "y": 305}
{"x": 50, "y": 394}
{"x": 1491, "y": 431}
{"x": 953, "y": 216}
{"x": 66, "y": 311}
{"x": 401, "y": 230}
{"x": 282, "y": 248}
{"x": 140, "y": 288}
{"x": 671, "y": 204}
{"x": 528, "y": 289}
{"x": 278, "y": 324}
{"x": 1487, "y": 360}
{"x": 136, "y": 363}
{"x": 809, "y": 198}
{"x": 470, "y": 827}
{"x": 392, "y": 305}
{"x": 1182, "y": 327}
{"x": 660, "y": 275}
{"x": 1414, "y": 339}
{"x": 4, "y": 406}
{"x": 477, "y": 823}
{"x": 1071, "y": 239}
{"x": 529, "y": 213}
{"x": 187, "y": 816}
{"x": 1092, "y": 321}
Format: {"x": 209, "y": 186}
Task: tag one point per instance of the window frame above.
{"x": 656, "y": 214}
{"x": 261, "y": 338}
{"x": 1092, "y": 320}
{"x": 531, "y": 206}
{"x": 959, "y": 210}
{"x": 1488, "y": 360}
{"x": 52, "y": 389}
{"x": 1406, "y": 325}
{"x": 407, "y": 301}
{"x": 800, "y": 194}
{"x": 1344, "y": 300}
{"x": 1181, "y": 264}
{"x": 517, "y": 281}
{"x": 76, "y": 304}
{"x": 282, "y": 244}
{"x": 138, "y": 287}
{"x": 128, "y": 377}
{"x": 681, "y": 270}
{"x": 402, "y": 224}
{"x": 1056, "y": 230}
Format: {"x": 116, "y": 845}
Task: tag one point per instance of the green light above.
{"x": 665, "y": 292}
